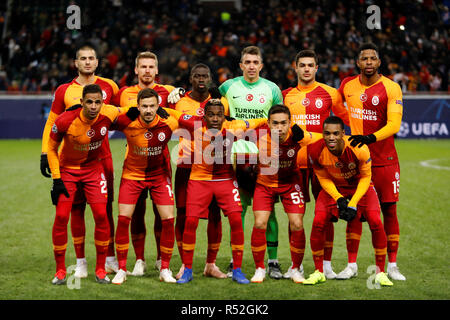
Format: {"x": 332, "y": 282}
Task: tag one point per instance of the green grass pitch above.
{"x": 27, "y": 263}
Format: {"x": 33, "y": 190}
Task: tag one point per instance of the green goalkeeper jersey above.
{"x": 249, "y": 101}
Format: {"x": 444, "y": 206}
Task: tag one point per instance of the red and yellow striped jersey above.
{"x": 310, "y": 106}
{"x": 377, "y": 110}
{"x": 68, "y": 95}
{"x": 127, "y": 96}
{"x": 146, "y": 144}
{"x": 350, "y": 170}
{"x": 82, "y": 139}
{"x": 277, "y": 164}
{"x": 192, "y": 107}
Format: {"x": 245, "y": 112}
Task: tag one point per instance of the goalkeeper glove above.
{"x": 214, "y": 93}
{"x": 175, "y": 95}
{"x": 133, "y": 113}
{"x": 57, "y": 189}
{"x": 348, "y": 214}
{"x": 360, "y": 140}
{"x": 297, "y": 133}
{"x": 342, "y": 205}
{"x": 45, "y": 168}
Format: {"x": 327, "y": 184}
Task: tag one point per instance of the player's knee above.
{"x": 296, "y": 225}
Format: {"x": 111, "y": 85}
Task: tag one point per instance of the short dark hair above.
{"x": 368, "y": 46}
{"x": 147, "y": 93}
{"x": 200, "y": 65}
{"x": 334, "y": 120}
{"x": 308, "y": 53}
{"x": 279, "y": 108}
{"x": 86, "y": 46}
{"x": 213, "y": 102}
{"x": 92, "y": 88}
{"x": 254, "y": 50}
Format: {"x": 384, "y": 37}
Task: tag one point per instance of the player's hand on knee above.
{"x": 349, "y": 214}
{"x": 57, "y": 189}
{"x": 45, "y": 168}
{"x": 175, "y": 95}
{"x": 133, "y": 113}
{"x": 360, "y": 140}
{"x": 342, "y": 204}
{"x": 297, "y": 133}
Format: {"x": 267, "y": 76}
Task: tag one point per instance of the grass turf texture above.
{"x": 28, "y": 265}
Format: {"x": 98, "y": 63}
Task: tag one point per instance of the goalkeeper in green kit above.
{"x": 249, "y": 97}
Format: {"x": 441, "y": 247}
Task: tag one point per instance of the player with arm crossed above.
{"x": 344, "y": 172}
{"x": 375, "y": 108}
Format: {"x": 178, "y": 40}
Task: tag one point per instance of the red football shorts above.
{"x": 200, "y": 194}
{"x": 160, "y": 188}
{"x": 291, "y": 197}
{"x": 368, "y": 203}
{"x": 89, "y": 182}
{"x": 307, "y": 175}
{"x": 181, "y": 183}
{"x": 386, "y": 180}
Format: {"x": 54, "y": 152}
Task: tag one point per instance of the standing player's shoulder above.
{"x": 388, "y": 83}
{"x": 111, "y": 82}
{"x": 348, "y": 79}
{"x": 286, "y": 91}
{"x": 223, "y": 88}
{"x": 66, "y": 118}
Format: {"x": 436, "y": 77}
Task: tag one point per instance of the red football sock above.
{"x": 353, "y": 236}
{"x": 78, "y": 228}
{"x": 59, "y": 233}
{"x": 259, "y": 244}
{"x": 179, "y": 229}
{"x": 214, "y": 231}
{"x": 157, "y": 230}
{"x": 189, "y": 235}
{"x": 379, "y": 240}
{"x": 297, "y": 243}
{"x": 317, "y": 239}
{"x": 138, "y": 230}
{"x": 122, "y": 240}
{"x": 329, "y": 239}
{"x": 109, "y": 213}
{"x": 237, "y": 238}
{"x": 167, "y": 242}
{"x": 101, "y": 233}
{"x": 392, "y": 229}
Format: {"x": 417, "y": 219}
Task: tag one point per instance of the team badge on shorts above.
{"x": 161, "y": 136}
{"x": 148, "y": 135}
{"x": 235, "y": 184}
{"x": 297, "y": 187}
{"x": 397, "y": 176}
{"x": 352, "y": 165}
{"x": 290, "y": 153}
{"x": 90, "y": 133}
{"x": 363, "y": 97}
{"x": 102, "y": 175}
{"x": 103, "y": 131}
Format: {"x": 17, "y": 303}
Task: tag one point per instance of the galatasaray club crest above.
{"x": 290, "y": 153}
{"x": 104, "y": 95}
{"x": 375, "y": 100}
{"x": 148, "y": 135}
{"x": 319, "y": 103}
{"x": 161, "y": 136}
{"x": 262, "y": 99}
{"x": 351, "y": 165}
{"x": 103, "y": 131}
{"x": 297, "y": 187}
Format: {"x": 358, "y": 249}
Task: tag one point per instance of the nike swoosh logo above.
{"x": 234, "y": 97}
{"x": 350, "y": 95}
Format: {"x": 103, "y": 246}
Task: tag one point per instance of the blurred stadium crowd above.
{"x": 37, "y": 48}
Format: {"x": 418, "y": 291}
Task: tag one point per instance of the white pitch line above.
{"x": 428, "y": 164}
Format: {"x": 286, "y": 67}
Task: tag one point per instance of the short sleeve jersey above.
{"x": 368, "y": 109}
